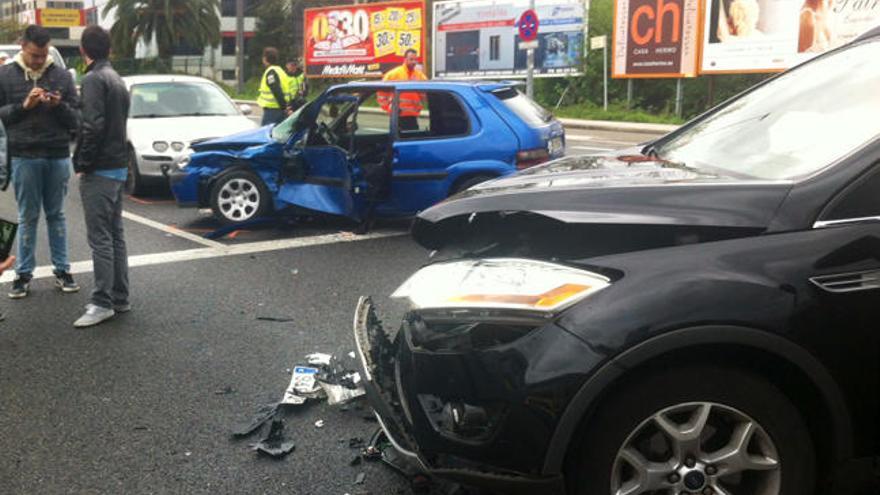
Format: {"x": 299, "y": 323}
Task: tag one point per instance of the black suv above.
{"x": 698, "y": 316}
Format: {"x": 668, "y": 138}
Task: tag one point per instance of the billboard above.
{"x": 60, "y": 18}
{"x": 475, "y": 39}
{"x": 655, "y": 38}
{"x": 774, "y": 35}
{"x": 364, "y": 40}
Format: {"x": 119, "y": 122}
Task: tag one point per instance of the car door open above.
{"x": 320, "y": 171}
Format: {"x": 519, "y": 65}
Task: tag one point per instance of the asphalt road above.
{"x": 146, "y": 403}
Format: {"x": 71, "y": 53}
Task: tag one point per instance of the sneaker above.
{"x": 123, "y": 307}
{"x": 20, "y": 286}
{"x": 93, "y": 316}
{"x": 64, "y": 281}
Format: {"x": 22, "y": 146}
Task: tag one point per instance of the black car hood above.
{"x": 622, "y": 190}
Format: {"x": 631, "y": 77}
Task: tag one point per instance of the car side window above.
{"x": 442, "y": 116}
{"x": 860, "y": 200}
{"x": 372, "y": 121}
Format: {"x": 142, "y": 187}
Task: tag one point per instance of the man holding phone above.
{"x": 39, "y": 107}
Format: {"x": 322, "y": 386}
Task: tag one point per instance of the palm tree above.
{"x": 169, "y": 22}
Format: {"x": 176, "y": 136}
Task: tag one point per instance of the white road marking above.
{"x": 171, "y": 230}
{"x": 219, "y": 251}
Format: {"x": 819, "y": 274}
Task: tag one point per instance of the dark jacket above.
{"x": 40, "y": 132}
{"x": 102, "y": 142}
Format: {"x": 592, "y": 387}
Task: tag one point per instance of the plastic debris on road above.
{"x": 274, "y": 444}
{"x": 264, "y": 414}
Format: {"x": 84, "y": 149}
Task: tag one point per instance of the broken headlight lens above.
{"x": 500, "y": 283}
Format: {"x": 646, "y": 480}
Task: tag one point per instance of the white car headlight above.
{"x": 160, "y": 146}
{"x": 177, "y": 146}
{"x": 185, "y": 159}
{"x": 500, "y": 283}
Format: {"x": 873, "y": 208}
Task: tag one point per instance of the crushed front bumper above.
{"x": 379, "y": 359}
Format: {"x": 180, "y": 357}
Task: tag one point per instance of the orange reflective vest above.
{"x": 410, "y": 103}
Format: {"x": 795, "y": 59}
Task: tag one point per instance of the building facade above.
{"x": 65, "y": 19}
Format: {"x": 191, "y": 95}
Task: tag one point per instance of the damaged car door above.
{"x": 319, "y": 170}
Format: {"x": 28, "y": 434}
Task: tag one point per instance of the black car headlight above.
{"x": 499, "y": 286}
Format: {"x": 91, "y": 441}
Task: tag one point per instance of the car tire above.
{"x": 134, "y": 183}
{"x": 627, "y": 430}
{"x": 468, "y": 182}
{"x": 239, "y": 196}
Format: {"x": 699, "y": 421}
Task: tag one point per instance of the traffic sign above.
{"x": 528, "y": 25}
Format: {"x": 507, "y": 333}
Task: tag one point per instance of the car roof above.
{"x": 444, "y": 84}
{"x": 163, "y": 78}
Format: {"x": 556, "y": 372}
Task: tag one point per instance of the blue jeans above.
{"x": 41, "y": 183}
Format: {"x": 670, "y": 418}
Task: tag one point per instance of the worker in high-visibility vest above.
{"x": 273, "y": 88}
{"x": 410, "y": 103}
{"x": 296, "y": 92}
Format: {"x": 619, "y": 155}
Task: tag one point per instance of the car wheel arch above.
{"x": 667, "y": 346}
{"x": 463, "y": 171}
{"x": 466, "y": 178}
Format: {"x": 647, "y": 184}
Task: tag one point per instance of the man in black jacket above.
{"x": 38, "y": 106}
{"x": 100, "y": 161}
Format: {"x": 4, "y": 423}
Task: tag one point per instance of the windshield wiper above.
{"x": 151, "y": 116}
{"x": 651, "y": 150}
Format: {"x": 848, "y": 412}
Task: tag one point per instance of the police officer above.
{"x": 273, "y": 88}
{"x": 297, "y": 90}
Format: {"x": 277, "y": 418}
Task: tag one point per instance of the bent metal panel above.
{"x": 655, "y": 38}
{"x": 364, "y": 40}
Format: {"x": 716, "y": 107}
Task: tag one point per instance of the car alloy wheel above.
{"x": 693, "y": 429}
{"x": 238, "y": 196}
{"x": 697, "y": 448}
{"x": 239, "y": 199}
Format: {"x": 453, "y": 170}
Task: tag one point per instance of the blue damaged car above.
{"x": 343, "y": 155}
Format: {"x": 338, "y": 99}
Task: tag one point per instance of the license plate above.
{"x": 554, "y": 147}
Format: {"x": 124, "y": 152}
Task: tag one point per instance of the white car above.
{"x": 167, "y": 113}
{"x": 12, "y": 50}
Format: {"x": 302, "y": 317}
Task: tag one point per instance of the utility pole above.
{"x": 239, "y": 43}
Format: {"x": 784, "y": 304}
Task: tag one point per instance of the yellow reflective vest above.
{"x": 266, "y": 98}
{"x": 295, "y": 88}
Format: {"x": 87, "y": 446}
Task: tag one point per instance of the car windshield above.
{"x": 179, "y": 99}
{"x": 523, "y": 106}
{"x": 286, "y": 127}
{"x": 792, "y": 127}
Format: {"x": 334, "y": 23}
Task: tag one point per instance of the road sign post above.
{"x": 597, "y": 42}
{"x": 528, "y": 33}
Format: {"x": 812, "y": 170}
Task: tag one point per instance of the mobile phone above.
{"x": 7, "y": 237}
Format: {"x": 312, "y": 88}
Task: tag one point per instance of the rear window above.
{"x": 523, "y": 106}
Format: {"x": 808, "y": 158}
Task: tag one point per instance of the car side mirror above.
{"x": 246, "y": 109}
